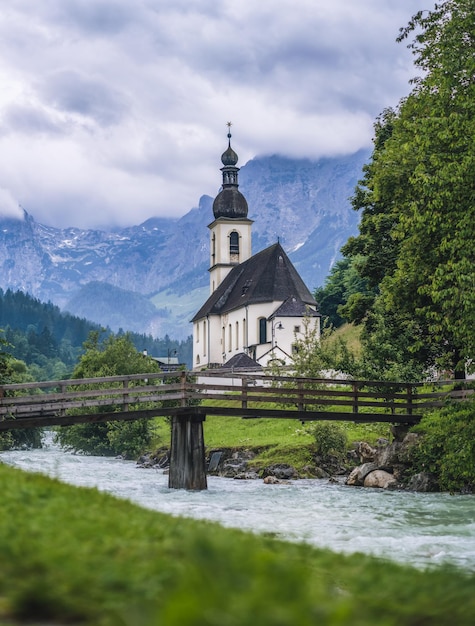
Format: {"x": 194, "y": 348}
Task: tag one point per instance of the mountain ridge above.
{"x": 304, "y": 204}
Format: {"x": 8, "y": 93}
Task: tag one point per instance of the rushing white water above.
{"x": 415, "y": 528}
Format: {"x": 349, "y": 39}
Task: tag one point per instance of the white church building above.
{"x": 258, "y": 303}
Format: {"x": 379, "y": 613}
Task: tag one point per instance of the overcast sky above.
{"x": 114, "y": 111}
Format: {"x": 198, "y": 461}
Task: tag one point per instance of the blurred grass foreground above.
{"x": 73, "y": 555}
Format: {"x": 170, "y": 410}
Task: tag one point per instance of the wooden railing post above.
{"x": 62, "y": 389}
{"x": 244, "y": 393}
{"x": 355, "y": 397}
{"x": 409, "y": 399}
{"x": 300, "y": 397}
{"x": 183, "y": 389}
{"x": 125, "y": 385}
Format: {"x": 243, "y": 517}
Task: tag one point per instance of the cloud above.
{"x": 73, "y": 93}
{"x": 8, "y": 206}
{"x": 112, "y": 112}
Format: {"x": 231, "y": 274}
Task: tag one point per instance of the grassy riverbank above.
{"x": 74, "y": 555}
{"x": 274, "y": 440}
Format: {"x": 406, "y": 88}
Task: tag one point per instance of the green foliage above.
{"x": 130, "y": 438}
{"x": 308, "y": 356}
{"x": 316, "y": 355}
{"x": 330, "y": 440}
{"x": 343, "y": 282}
{"x": 415, "y": 246}
{"x": 386, "y": 338}
{"x": 50, "y": 341}
{"x": 114, "y": 356}
{"x": 13, "y": 371}
{"x": 71, "y": 555}
{"x": 300, "y": 457}
{"x": 447, "y": 448}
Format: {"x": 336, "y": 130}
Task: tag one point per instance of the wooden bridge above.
{"x": 187, "y": 397}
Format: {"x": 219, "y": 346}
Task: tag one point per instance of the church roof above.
{"x": 241, "y": 361}
{"x": 293, "y": 307}
{"x": 230, "y": 203}
{"x": 268, "y": 276}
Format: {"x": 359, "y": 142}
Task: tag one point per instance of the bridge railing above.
{"x": 238, "y": 394}
{"x": 310, "y": 395}
{"x": 116, "y": 392}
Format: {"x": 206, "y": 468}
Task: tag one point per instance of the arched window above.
{"x": 234, "y": 243}
{"x": 262, "y": 330}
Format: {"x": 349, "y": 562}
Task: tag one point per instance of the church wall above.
{"x": 222, "y": 258}
{"x": 218, "y": 338}
{"x": 207, "y": 342}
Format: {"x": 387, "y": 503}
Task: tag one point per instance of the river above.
{"x": 420, "y": 529}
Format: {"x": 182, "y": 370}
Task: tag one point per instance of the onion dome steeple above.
{"x": 230, "y": 202}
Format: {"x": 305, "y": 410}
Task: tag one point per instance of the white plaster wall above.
{"x": 238, "y": 331}
{"x": 221, "y": 230}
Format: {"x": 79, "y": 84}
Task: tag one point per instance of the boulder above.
{"x": 358, "y": 474}
{"x": 321, "y": 473}
{"x": 380, "y": 479}
{"x": 387, "y": 456}
{"x": 229, "y": 462}
{"x": 423, "y": 481}
{"x": 231, "y": 470}
{"x": 365, "y": 452}
{"x": 246, "y": 476}
{"x": 272, "y": 480}
{"x": 281, "y": 471}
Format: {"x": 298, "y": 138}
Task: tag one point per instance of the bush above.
{"x": 115, "y": 356}
{"x": 130, "y": 439}
{"x": 330, "y": 439}
{"x": 447, "y": 449}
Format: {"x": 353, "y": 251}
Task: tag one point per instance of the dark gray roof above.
{"x": 241, "y": 361}
{"x": 266, "y": 277}
{"x": 230, "y": 203}
{"x": 292, "y": 307}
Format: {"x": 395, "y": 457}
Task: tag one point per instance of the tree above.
{"x": 14, "y": 371}
{"x": 114, "y": 356}
{"x": 418, "y": 225}
{"x": 343, "y": 281}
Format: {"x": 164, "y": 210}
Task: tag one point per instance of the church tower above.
{"x": 230, "y": 231}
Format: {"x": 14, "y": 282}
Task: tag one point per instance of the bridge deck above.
{"x": 69, "y": 402}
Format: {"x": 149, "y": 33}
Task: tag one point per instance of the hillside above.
{"x": 50, "y": 341}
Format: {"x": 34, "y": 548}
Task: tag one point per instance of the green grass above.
{"x": 350, "y": 335}
{"x": 76, "y": 556}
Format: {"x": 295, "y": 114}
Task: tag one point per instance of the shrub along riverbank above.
{"x": 74, "y": 555}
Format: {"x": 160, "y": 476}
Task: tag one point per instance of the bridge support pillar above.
{"x": 187, "y": 457}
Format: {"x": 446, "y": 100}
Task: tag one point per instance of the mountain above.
{"x": 151, "y": 278}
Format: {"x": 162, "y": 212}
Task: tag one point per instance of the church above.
{"x": 258, "y": 303}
